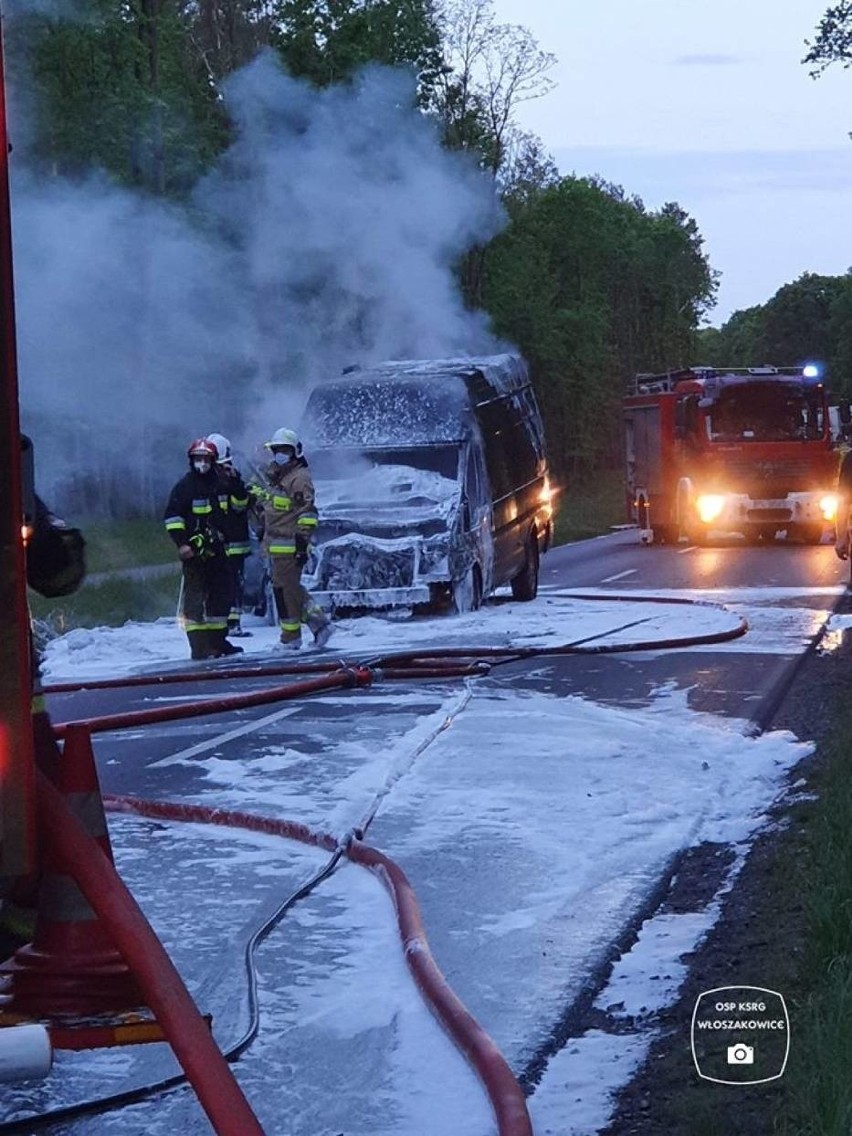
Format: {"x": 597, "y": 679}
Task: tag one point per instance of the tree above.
{"x": 122, "y": 90}
{"x": 593, "y": 288}
{"x": 490, "y": 69}
{"x": 808, "y": 320}
{"x": 833, "y": 43}
{"x": 226, "y": 34}
{"x": 326, "y": 41}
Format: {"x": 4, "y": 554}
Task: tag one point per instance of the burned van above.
{"x": 432, "y": 484}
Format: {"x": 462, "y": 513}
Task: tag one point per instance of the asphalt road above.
{"x": 787, "y": 591}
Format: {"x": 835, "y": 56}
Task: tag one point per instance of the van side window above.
{"x": 513, "y": 444}
{"x": 475, "y": 491}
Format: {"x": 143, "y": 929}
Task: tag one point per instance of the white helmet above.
{"x": 223, "y": 446}
{"x": 285, "y": 437}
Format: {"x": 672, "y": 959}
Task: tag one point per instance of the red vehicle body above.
{"x": 746, "y": 450}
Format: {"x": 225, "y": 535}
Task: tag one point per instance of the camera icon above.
{"x": 740, "y": 1054}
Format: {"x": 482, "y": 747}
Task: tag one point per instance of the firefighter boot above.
{"x": 320, "y": 625}
{"x": 200, "y": 644}
{"x": 291, "y": 640}
{"x": 222, "y": 646}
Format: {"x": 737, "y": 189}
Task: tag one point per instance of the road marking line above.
{"x": 620, "y": 575}
{"x": 211, "y": 743}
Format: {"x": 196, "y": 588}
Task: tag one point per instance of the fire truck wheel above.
{"x": 753, "y": 534}
{"x": 807, "y": 534}
{"x": 666, "y": 534}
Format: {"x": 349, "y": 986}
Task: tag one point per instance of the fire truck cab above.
{"x": 744, "y": 450}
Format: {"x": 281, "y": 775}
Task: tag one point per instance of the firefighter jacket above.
{"x": 287, "y": 501}
{"x": 234, "y": 502}
{"x": 194, "y": 516}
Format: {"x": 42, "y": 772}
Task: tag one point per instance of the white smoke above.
{"x": 326, "y": 236}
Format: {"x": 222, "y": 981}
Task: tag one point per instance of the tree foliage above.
{"x": 593, "y": 288}
{"x": 809, "y": 320}
{"x": 122, "y": 89}
{"x": 833, "y": 43}
{"x": 489, "y": 70}
{"x": 326, "y": 41}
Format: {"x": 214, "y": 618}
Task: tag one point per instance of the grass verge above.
{"x": 590, "y": 508}
{"x": 114, "y": 545}
{"x": 818, "y": 1096}
{"x": 107, "y": 604}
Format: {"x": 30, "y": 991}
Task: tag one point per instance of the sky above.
{"x": 707, "y": 103}
{"x": 438, "y": 772}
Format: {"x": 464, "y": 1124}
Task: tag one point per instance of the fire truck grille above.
{"x": 772, "y": 479}
{"x": 769, "y": 514}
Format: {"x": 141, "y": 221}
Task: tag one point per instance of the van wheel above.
{"x": 467, "y": 592}
{"x": 525, "y": 584}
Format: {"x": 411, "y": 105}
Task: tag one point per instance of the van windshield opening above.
{"x": 343, "y": 463}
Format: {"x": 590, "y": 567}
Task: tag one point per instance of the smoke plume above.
{"x": 325, "y": 236}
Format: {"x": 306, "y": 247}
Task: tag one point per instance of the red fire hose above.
{"x": 504, "y": 1092}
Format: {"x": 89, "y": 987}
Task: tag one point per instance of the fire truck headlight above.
{"x": 710, "y": 506}
{"x": 828, "y": 506}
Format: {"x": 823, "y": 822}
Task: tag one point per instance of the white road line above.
{"x": 211, "y": 743}
{"x": 620, "y": 575}
{"x": 689, "y": 548}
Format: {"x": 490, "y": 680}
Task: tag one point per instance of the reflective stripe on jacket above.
{"x": 288, "y": 507}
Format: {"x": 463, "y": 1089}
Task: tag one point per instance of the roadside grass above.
{"x": 590, "y": 508}
{"x": 818, "y": 1096}
{"x": 113, "y": 545}
{"x": 109, "y": 603}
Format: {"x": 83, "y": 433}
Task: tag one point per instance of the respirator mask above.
{"x": 201, "y": 465}
{"x": 282, "y": 458}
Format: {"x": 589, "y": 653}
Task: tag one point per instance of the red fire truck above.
{"x": 744, "y": 450}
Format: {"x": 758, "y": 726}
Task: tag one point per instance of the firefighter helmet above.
{"x": 202, "y": 448}
{"x": 285, "y": 437}
{"x": 223, "y": 448}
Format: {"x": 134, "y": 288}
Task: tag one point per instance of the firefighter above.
{"x": 196, "y": 523}
{"x": 289, "y": 520}
{"x": 234, "y": 501}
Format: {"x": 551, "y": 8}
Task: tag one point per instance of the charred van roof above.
{"x": 409, "y": 401}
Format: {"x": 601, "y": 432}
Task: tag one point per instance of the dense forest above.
{"x": 590, "y": 284}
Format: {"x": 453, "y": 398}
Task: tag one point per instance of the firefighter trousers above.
{"x": 291, "y": 598}
{"x": 207, "y": 589}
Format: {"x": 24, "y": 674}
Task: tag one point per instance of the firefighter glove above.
{"x": 302, "y": 546}
{"x": 202, "y": 545}
{"x": 185, "y": 552}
